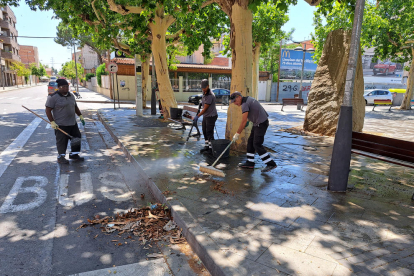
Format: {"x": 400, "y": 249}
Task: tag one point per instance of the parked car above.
{"x": 375, "y": 94}
{"x": 52, "y": 87}
{"x": 53, "y": 78}
{"x": 385, "y": 68}
{"x": 222, "y": 96}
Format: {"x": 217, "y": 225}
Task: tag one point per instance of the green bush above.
{"x": 89, "y": 76}
{"x": 99, "y": 72}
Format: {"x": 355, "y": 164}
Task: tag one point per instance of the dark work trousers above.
{"x": 255, "y": 144}
{"x": 208, "y": 129}
{"x": 62, "y": 139}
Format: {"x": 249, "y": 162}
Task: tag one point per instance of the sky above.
{"x": 300, "y": 18}
{"x": 40, "y": 23}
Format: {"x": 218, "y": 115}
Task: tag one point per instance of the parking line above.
{"x": 8, "y": 155}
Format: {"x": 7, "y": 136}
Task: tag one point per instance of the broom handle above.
{"x": 64, "y": 132}
{"x": 222, "y": 153}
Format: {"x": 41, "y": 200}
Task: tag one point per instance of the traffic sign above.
{"x": 112, "y": 67}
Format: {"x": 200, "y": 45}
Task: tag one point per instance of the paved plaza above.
{"x": 285, "y": 221}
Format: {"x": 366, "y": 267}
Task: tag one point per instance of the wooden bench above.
{"x": 187, "y": 118}
{"x": 294, "y": 101}
{"x": 386, "y": 149}
{"x": 382, "y": 102}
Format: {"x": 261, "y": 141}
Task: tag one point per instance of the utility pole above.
{"x": 278, "y": 70}
{"x": 76, "y": 69}
{"x": 153, "y": 100}
{"x": 108, "y": 53}
{"x": 341, "y": 154}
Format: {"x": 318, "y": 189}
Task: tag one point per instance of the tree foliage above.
{"x": 69, "y": 70}
{"x": 340, "y": 15}
{"x": 65, "y": 36}
{"x": 20, "y": 69}
{"x": 101, "y": 70}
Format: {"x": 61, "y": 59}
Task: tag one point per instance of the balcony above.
{"x": 9, "y": 12}
{"x": 10, "y": 55}
{"x": 11, "y": 41}
{"x": 5, "y": 24}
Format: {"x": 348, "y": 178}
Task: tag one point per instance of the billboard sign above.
{"x": 291, "y": 65}
{"x": 381, "y": 71}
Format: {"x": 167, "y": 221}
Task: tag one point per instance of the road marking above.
{"x": 8, "y": 155}
{"x": 63, "y": 191}
{"x": 85, "y": 194}
{"x": 25, "y": 98}
{"x": 157, "y": 267}
{"x": 41, "y": 194}
{"x": 113, "y": 186}
{"x": 12, "y": 98}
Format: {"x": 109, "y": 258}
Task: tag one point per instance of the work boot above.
{"x": 270, "y": 166}
{"x": 76, "y": 157}
{"x": 247, "y": 165}
{"x": 62, "y": 160}
{"x": 205, "y": 150}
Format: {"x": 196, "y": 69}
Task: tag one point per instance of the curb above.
{"x": 106, "y": 102}
{"x": 9, "y": 90}
{"x": 191, "y": 230}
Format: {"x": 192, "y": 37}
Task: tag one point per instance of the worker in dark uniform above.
{"x": 254, "y": 112}
{"x": 208, "y": 103}
{"x": 61, "y": 108}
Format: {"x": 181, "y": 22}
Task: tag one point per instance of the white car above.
{"x": 377, "y": 94}
{"x": 53, "y": 78}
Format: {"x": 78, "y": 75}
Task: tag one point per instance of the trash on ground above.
{"x": 151, "y": 223}
{"x": 169, "y": 226}
{"x": 219, "y": 187}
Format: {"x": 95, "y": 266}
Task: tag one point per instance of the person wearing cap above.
{"x": 253, "y": 111}
{"x": 61, "y": 108}
{"x": 208, "y": 103}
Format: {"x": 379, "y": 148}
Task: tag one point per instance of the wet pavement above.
{"x": 283, "y": 221}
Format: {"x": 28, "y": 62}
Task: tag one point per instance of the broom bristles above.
{"x": 212, "y": 171}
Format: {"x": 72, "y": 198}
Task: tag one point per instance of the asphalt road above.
{"x": 43, "y": 203}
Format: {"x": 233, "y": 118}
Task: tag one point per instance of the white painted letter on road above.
{"x": 41, "y": 194}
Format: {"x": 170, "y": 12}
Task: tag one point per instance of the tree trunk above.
{"x": 328, "y": 88}
{"x": 159, "y": 49}
{"x": 241, "y": 19}
{"x": 256, "y": 57}
{"x": 406, "y": 103}
{"x": 145, "y": 78}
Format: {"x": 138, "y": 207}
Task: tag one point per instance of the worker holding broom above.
{"x": 61, "y": 108}
{"x": 208, "y": 102}
{"x": 253, "y": 111}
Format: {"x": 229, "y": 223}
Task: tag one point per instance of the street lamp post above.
{"x": 303, "y": 64}
{"x": 28, "y": 66}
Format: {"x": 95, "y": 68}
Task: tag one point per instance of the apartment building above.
{"x": 11, "y": 49}
{"x": 29, "y": 54}
{"x": 89, "y": 59}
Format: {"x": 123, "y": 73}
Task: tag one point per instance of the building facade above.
{"x": 89, "y": 59}
{"x": 29, "y": 54}
{"x": 11, "y": 49}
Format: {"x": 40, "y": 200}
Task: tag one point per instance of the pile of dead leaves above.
{"x": 218, "y": 186}
{"x": 153, "y": 223}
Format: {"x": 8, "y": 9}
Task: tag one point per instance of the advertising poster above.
{"x": 378, "y": 71}
{"x": 291, "y": 65}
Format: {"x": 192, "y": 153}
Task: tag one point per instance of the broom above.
{"x": 74, "y": 141}
{"x": 213, "y": 171}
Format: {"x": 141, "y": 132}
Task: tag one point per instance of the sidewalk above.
{"x": 10, "y": 88}
{"x": 283, "y": 222}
